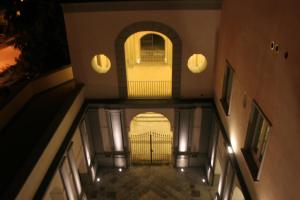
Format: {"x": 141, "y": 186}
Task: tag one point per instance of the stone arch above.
{"x": 148, "y": 26}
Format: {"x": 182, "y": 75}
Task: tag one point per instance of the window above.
{"x": 256, "y": 141}
{"x": 152, "y": 49}
{"x": 101, "y": 63}
{"x": 152, "y": 42}
{"x": 197, "y": 63}
{"x": 227, "y": 86}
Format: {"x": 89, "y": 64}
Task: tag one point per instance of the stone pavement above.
{"x": 150, "y": 183}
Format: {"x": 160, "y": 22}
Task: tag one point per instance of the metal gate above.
{"x": 151, "y": 148}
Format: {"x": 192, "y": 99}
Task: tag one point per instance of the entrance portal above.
{"x": 150, "y": 139}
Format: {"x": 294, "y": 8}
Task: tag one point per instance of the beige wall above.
{"x": 37, "y": 174}
{"x": 79, "y": 152}
{"x": 55, "y": 189}
{"x": 247, "y": 28}
{"x": 90, "y": 33}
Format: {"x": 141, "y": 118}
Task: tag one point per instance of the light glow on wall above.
{"x": 93, "y": 173}
{"x": 74, "y": 169}
{"x": 183, "y": 132}
{"x": 233, "y": 142}
{"x": 117, "y": 130}
{"x": 119, "y": 161}
{"x": 182, "y": 161}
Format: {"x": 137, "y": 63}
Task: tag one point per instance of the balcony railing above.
{"x": 152, "y": 56}
{"x": 149, "y": 89}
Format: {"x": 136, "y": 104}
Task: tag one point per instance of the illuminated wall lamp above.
{"x": 230, "y": 150}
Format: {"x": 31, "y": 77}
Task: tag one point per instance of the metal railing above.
{"x": 152, "y": 56}
{"x": 151, "y": 148}
{"x": 149, "y": 89}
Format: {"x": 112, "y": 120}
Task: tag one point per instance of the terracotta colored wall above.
{"x": 95, "y": 32}
{"x": 247, "y": 27}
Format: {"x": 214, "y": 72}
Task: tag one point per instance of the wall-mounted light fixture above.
{"x": 230, "y": 150}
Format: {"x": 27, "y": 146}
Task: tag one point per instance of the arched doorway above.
{"x": 150, "y": 139}
{"x": 153, "y": 27}
{"x": 148, "y": 59}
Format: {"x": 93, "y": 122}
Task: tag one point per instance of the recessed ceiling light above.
{"x": 98, "y": 179}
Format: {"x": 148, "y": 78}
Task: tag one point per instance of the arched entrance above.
{"x": 148, "y": 59}
{"x": 150, "y": 139}
{"x": 153, "y": 27}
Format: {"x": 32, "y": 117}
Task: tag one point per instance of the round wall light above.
{"x": 101, "y": 63}
{"x": 197, "y": 63}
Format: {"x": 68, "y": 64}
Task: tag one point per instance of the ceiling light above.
{"x": 98, "y": 179}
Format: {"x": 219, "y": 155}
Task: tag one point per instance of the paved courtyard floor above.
{"x": 150, "y": 183}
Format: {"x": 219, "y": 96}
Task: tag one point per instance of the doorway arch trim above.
{"x": 148, "y": 26}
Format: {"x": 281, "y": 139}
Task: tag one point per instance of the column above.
{"x": 183, "y": 130}
{"x": 117, "y": 130}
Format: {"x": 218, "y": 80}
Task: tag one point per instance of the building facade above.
{"x": 216, "y": 80}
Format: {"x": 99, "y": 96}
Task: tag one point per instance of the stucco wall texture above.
{"x": 90, "y": 33}
{"x": 247, "y": 28}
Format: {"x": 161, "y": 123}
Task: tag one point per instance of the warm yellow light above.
{"x": 197, "y": 63}
{"x": 148, "y": 71}
{"x": 101, "y": 63}
{"x": 150, "y": 130}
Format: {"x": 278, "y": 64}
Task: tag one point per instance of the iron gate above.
{"x": 151, "y": 148}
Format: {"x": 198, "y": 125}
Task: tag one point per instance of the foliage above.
{"x": 38, "y": 28}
